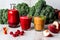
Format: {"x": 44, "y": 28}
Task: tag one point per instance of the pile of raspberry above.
{"x": 17, "y": 33}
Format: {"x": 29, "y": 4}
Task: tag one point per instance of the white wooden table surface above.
{"x": 29, "y": 35}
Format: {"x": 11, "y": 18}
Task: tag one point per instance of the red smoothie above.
{"x": 25, "y": 22}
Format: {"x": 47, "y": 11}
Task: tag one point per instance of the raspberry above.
{"x": 22, "y": 33}
{"x": 11, "y": 33}
{"x": 18, "y": 31}
{"x": 14, "y": 35}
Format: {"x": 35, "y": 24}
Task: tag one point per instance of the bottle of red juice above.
{"x": 13, "y": 16}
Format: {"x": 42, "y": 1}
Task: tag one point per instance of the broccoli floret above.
{"x": 38, "y": 6}
{"x": 23, "y": 9}
{"x": 48, "y": 11}
{"x": 4, "y": 16}
{"x": 32, "y": 11}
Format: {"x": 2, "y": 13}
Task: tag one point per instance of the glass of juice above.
{"x": 39, "y": 22}
{"x": 25, "y": 22}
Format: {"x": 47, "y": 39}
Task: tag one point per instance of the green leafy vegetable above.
{"x": 32, "y": 11}
{"x": 23, "y": 9}
{"x": 40, "y": 8}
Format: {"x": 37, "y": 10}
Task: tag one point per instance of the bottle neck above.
{"x": 12, "y": 6}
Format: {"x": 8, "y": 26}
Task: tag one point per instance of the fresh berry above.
{"x": 18, "y": 31}
{"x": 22, "y": 33}
{"x": 14, "y": 35}
{"x": 11, "y": 33}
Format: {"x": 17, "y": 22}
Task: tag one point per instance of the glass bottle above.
{"x": 13, "y": 16}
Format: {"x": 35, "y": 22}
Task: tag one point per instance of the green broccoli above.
{"x": 1, "y": 11}
{"x": 23, "y": 9}
{"x": 38, "y": 6}
{"x": 48, "y": 11}
{"x": 4, "y": 16}
{"x": 32, "y": 11}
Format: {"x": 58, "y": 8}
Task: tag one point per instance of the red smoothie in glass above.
{"x": 25, "y": 22}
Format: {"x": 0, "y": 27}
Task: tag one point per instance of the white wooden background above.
{"x": 6, "y": 3}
